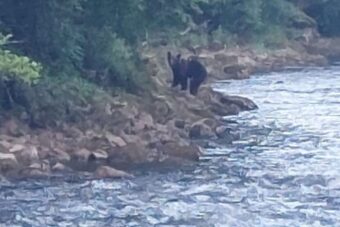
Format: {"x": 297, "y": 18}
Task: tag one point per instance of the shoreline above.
{"x": 164, "y": 129}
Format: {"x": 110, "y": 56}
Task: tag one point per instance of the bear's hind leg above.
{"x": 175, "y": 82}
{"x": 194, "y": 85}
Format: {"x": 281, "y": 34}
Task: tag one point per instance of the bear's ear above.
{"x": 169, "y": 58}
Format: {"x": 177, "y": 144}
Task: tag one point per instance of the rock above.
{"x": 233, "y": 69}
{"x": 212, "y": 123}
{"x": 241, "y": 102}
{"x": 109, "y": 172}
{"x": 142, "y": 121}
{"x": 81, "y": 155}
{"x": 223, "y": 132}
{"x": 100, "y": 155}
{"x": 212, "y": 100}
{"x": 43, "y": 166}
{"x": 206, "y": 94}
{"x": 201, "y": 129}
{"x": 162, "y": 110}
{"x": 4, "y": 146}
{"x": 74, "y": 132}
{"x": 224, "y": 110}
{"x": 115, "y": 140}
{"x": 221, "y": 129}
{"x": 59, "y": 167}
{"x": 7, "y": 162}
{"x": 179, "y": 124}
{"x": 91, "y": 134}
{"x": 132, "y": 139}
{"x": 186, "y": 152}
{"x": 33, "y": 173}
{"x": 61, "y": 155}
{"x": 11, "y": 128}
{"x": 238, "y": 66}
{"x": 16, "y": 148}
{"x": 162, "y": 128}
{"x": 45, "y": 139}
{"x": 27, "y": 155}
{"x": 133, "y": 153}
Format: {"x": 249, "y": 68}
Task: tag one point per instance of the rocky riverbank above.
{"x": 164, "y": 128}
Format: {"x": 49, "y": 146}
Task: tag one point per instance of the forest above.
{"x": 57, "y": 50}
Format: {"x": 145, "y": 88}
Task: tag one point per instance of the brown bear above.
{"x": 187, "y": 69}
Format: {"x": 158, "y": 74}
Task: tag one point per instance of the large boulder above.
{"x": 202, "y": 129}
{"x": 115, "y": 140}
{"x": 224, "y": 105}
{"x": 60, "y": 155}
{"x": 238, "y": 66}
{"x": 130, "y": 155}
{"x": 184, "y": 152}
{"x": 243, "y": 103}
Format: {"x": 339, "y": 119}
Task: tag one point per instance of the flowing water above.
{"x": 284, "y": 170}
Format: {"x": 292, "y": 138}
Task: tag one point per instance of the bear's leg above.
{"x": 184, "y": 84}
{"x": 175, "y": 81}
{"x": 194, "y": 85}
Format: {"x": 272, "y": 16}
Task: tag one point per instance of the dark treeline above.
{"x": 64, "y": 40}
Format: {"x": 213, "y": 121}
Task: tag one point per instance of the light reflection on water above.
{"x": 284, "y": 171}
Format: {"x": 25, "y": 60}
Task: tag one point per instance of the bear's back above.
{"x": 196, "y": 70}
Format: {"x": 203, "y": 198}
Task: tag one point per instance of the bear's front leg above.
{"x": 184, "y": 84}
{"x": 194, "y": 85}
{"x": 174, "y": 83}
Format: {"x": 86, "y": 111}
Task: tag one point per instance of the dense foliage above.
{"x": 98, "y": 41}
{"x": 327, "y": 15}
{"x": 70, "y": 36}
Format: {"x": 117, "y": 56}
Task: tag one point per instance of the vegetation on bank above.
{"x": 68, "y": 50}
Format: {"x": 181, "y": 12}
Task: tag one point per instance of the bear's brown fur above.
{"x": 187, "y": 69}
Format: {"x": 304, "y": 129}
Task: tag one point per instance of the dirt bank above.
{"x": 163, "y": 128}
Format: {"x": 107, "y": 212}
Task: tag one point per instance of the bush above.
{"x": 15, "y": 67}
{"x": 114, "y": 61}
{"x": 15, "y": 71}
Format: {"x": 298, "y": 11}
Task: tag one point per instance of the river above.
{"x": 283, "y": 171}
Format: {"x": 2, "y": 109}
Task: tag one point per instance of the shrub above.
{"x": 15, "y": 67}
